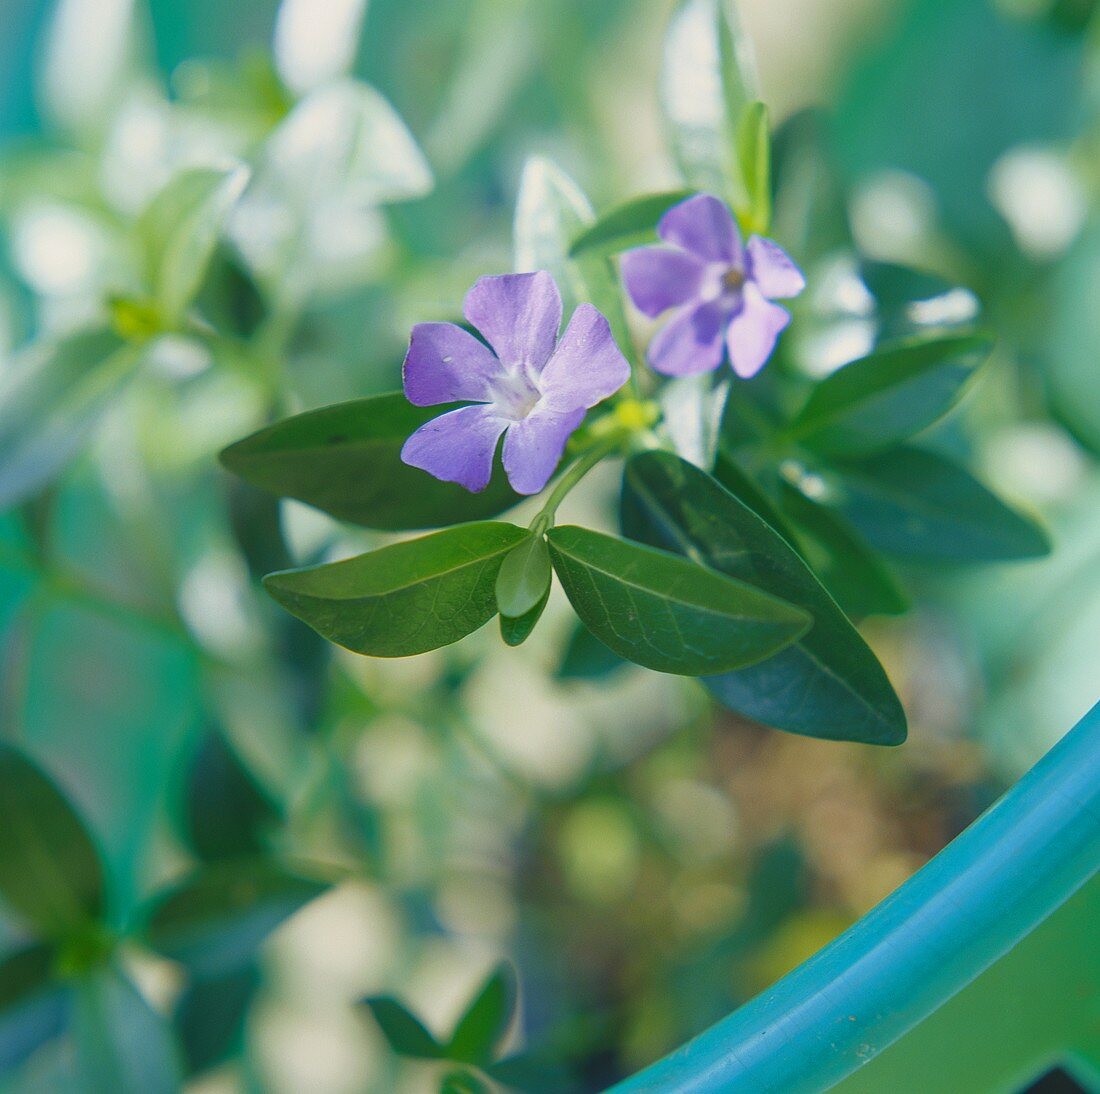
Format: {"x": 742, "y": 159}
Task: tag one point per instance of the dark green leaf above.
{"x": 404, "y": 599}
{"x": 516, "y": 631}
{"x": 708, "y": 80}
{"x": 827, "y": 684}
{"x": 849, "y": 568}
{"x": 550, "y": 210}
{"x": 587, "y": 658}
{"x": 32, "y": 1009}
{"x": 480, "y": 1029}
{"x": 226, "y": 813}
{"x": 631, "y": 224}
{"x": 666, "y": 613}
{"x": 178, "y": 233}
{"x": 888, "y": 395}
{"x": 403, "y": 1030}
{"x": 916, "y": 504}
{"x": 122, "y": 1044}
{"x": 346, "y": 460}
{"x": 50, "y": 870}
{"x": 210, "y": 1017}
{"x": 524, "y": 577}
{"x": 743, "y": 487}
{"x": 463, "y": 1082}
{"x": 50, "y": 400}
{"x": 215, "y": 921}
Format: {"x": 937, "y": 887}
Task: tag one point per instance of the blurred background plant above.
{"x": 645, "y": 861}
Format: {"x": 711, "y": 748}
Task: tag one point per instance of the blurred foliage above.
{"x": 209, "y": 768}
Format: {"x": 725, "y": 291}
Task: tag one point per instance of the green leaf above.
{"x": 216, "y": 920}
{"x": 917, "y": 504}
{"x": 50, "y": 870}
{"x": 32, "y": 1008}
{"x": 404, "y": 599}
{"x": 666, "y": 613}
{"x": 828, "y": 683}
{"x": 524, "y": 577}
{"x": 754, "y": 210}
{"x": 346, "y": 460}
{"x": 122, "y": 1044}
{"x": 403, "y": 1030}
{"x": 707, "y": 82}
{"x": 692, "y": 408}
{"x": 550, "y": 210}
{"x": 516, "y": 631}
{"x": 587, "y": 658}
{"x": 210, "y": 1017}
{"x": 50, "y": 400}
{"x": 743, "y": 487}
{"x": 463, "y": 1082}
{"x": 889, "y": 395}
{"x": 480, "y": 1029}
{"x": 631, "y": 224}
{"x": 849, "y": 568}
{"x": 178, "y": 233}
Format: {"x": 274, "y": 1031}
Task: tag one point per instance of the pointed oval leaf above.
{"x": 663, "y": 612}
{"x": 404, "y": 599}
{"x": 828, "y": 683}
{"x": 914, "y": 503}
{"x": 346, "y": 460}
{"x": 480, "y": 1029}
{"x": 122, "y": 1044}
{"x": 210, "y": 1017}
{"x": 406, "y": 1034}
{"x": 516, "y": 631}
{"x": 51, "y": 873}
{"x": 179, "y": 230}
{"x": 524, "y": 578}
{"x": 216, "y": 920}
{"x": 889, "y": 395}
{"x": 631, "y": 224}
{"x": 586, "y": 658}
{"x": 32, "y": 1007}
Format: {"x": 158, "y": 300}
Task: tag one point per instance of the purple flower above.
{"x": 529, "y": 386}
{"x": 722, "y": 291}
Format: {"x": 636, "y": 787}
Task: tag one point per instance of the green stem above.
{"x": 584, "y": 463}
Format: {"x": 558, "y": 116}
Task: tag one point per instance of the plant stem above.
{"x": 573, "y": 475}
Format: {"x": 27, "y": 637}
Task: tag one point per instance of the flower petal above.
{"x": 533, "y": 447}
{"x": 704, "y": 226}
{"x": 753, "y": 331}
{"x": 658, "y": 278}
{"x": 519, "y": 315}
{"x": 691, "y": 342}
{"x": 446, "y": 364}
{"x": 773, "y": 270}
{"x": 457, "y": 446}
{"x": 587, "y": 366}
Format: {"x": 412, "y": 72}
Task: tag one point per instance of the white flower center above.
{"x": 515, "y": 394}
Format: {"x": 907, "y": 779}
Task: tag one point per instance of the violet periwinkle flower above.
{"x": 529, "y": 386}
{"x": 722, "y": 291}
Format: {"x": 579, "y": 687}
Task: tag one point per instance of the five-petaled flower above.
{"x": 722, "y": 291}
{"x": 529, "y": 386}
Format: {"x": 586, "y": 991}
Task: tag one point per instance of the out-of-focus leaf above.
{"x": 225, "y": 811}
{"x": 50, "y": 870}
{"x": 463, "y": 1082}
{"x": 856, "y": 575}
{"x": 707, "y": 82}
{"x": 754, "y": 159}
{"x": 743, "y": 487}
{"x": 550, "y": 210}
{"x": 587, "y": 658}
{"x": 631, "y": 224}
{"x": 524, "y": 577}
{"x": 692, "y": 408}
{"x": 888, "y": 395}
{"x": 50, "y": 401}
{"x": 32, "y": 1009}
{"x": 828, "y": 683}
{"x": 122, "y": 1044}
{"x": 178, "y": 233}
{"x": 346, "y": 460}
{"x": 480, "y": 1029}
{"x": 403, "y": 599}
{"x": 215, "y": 921}
{"x": 666, "y": 613}
{"x": 917, "y": 504}
{"x": 403, "y": 1030}
{"x": 210, "y": 1017}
